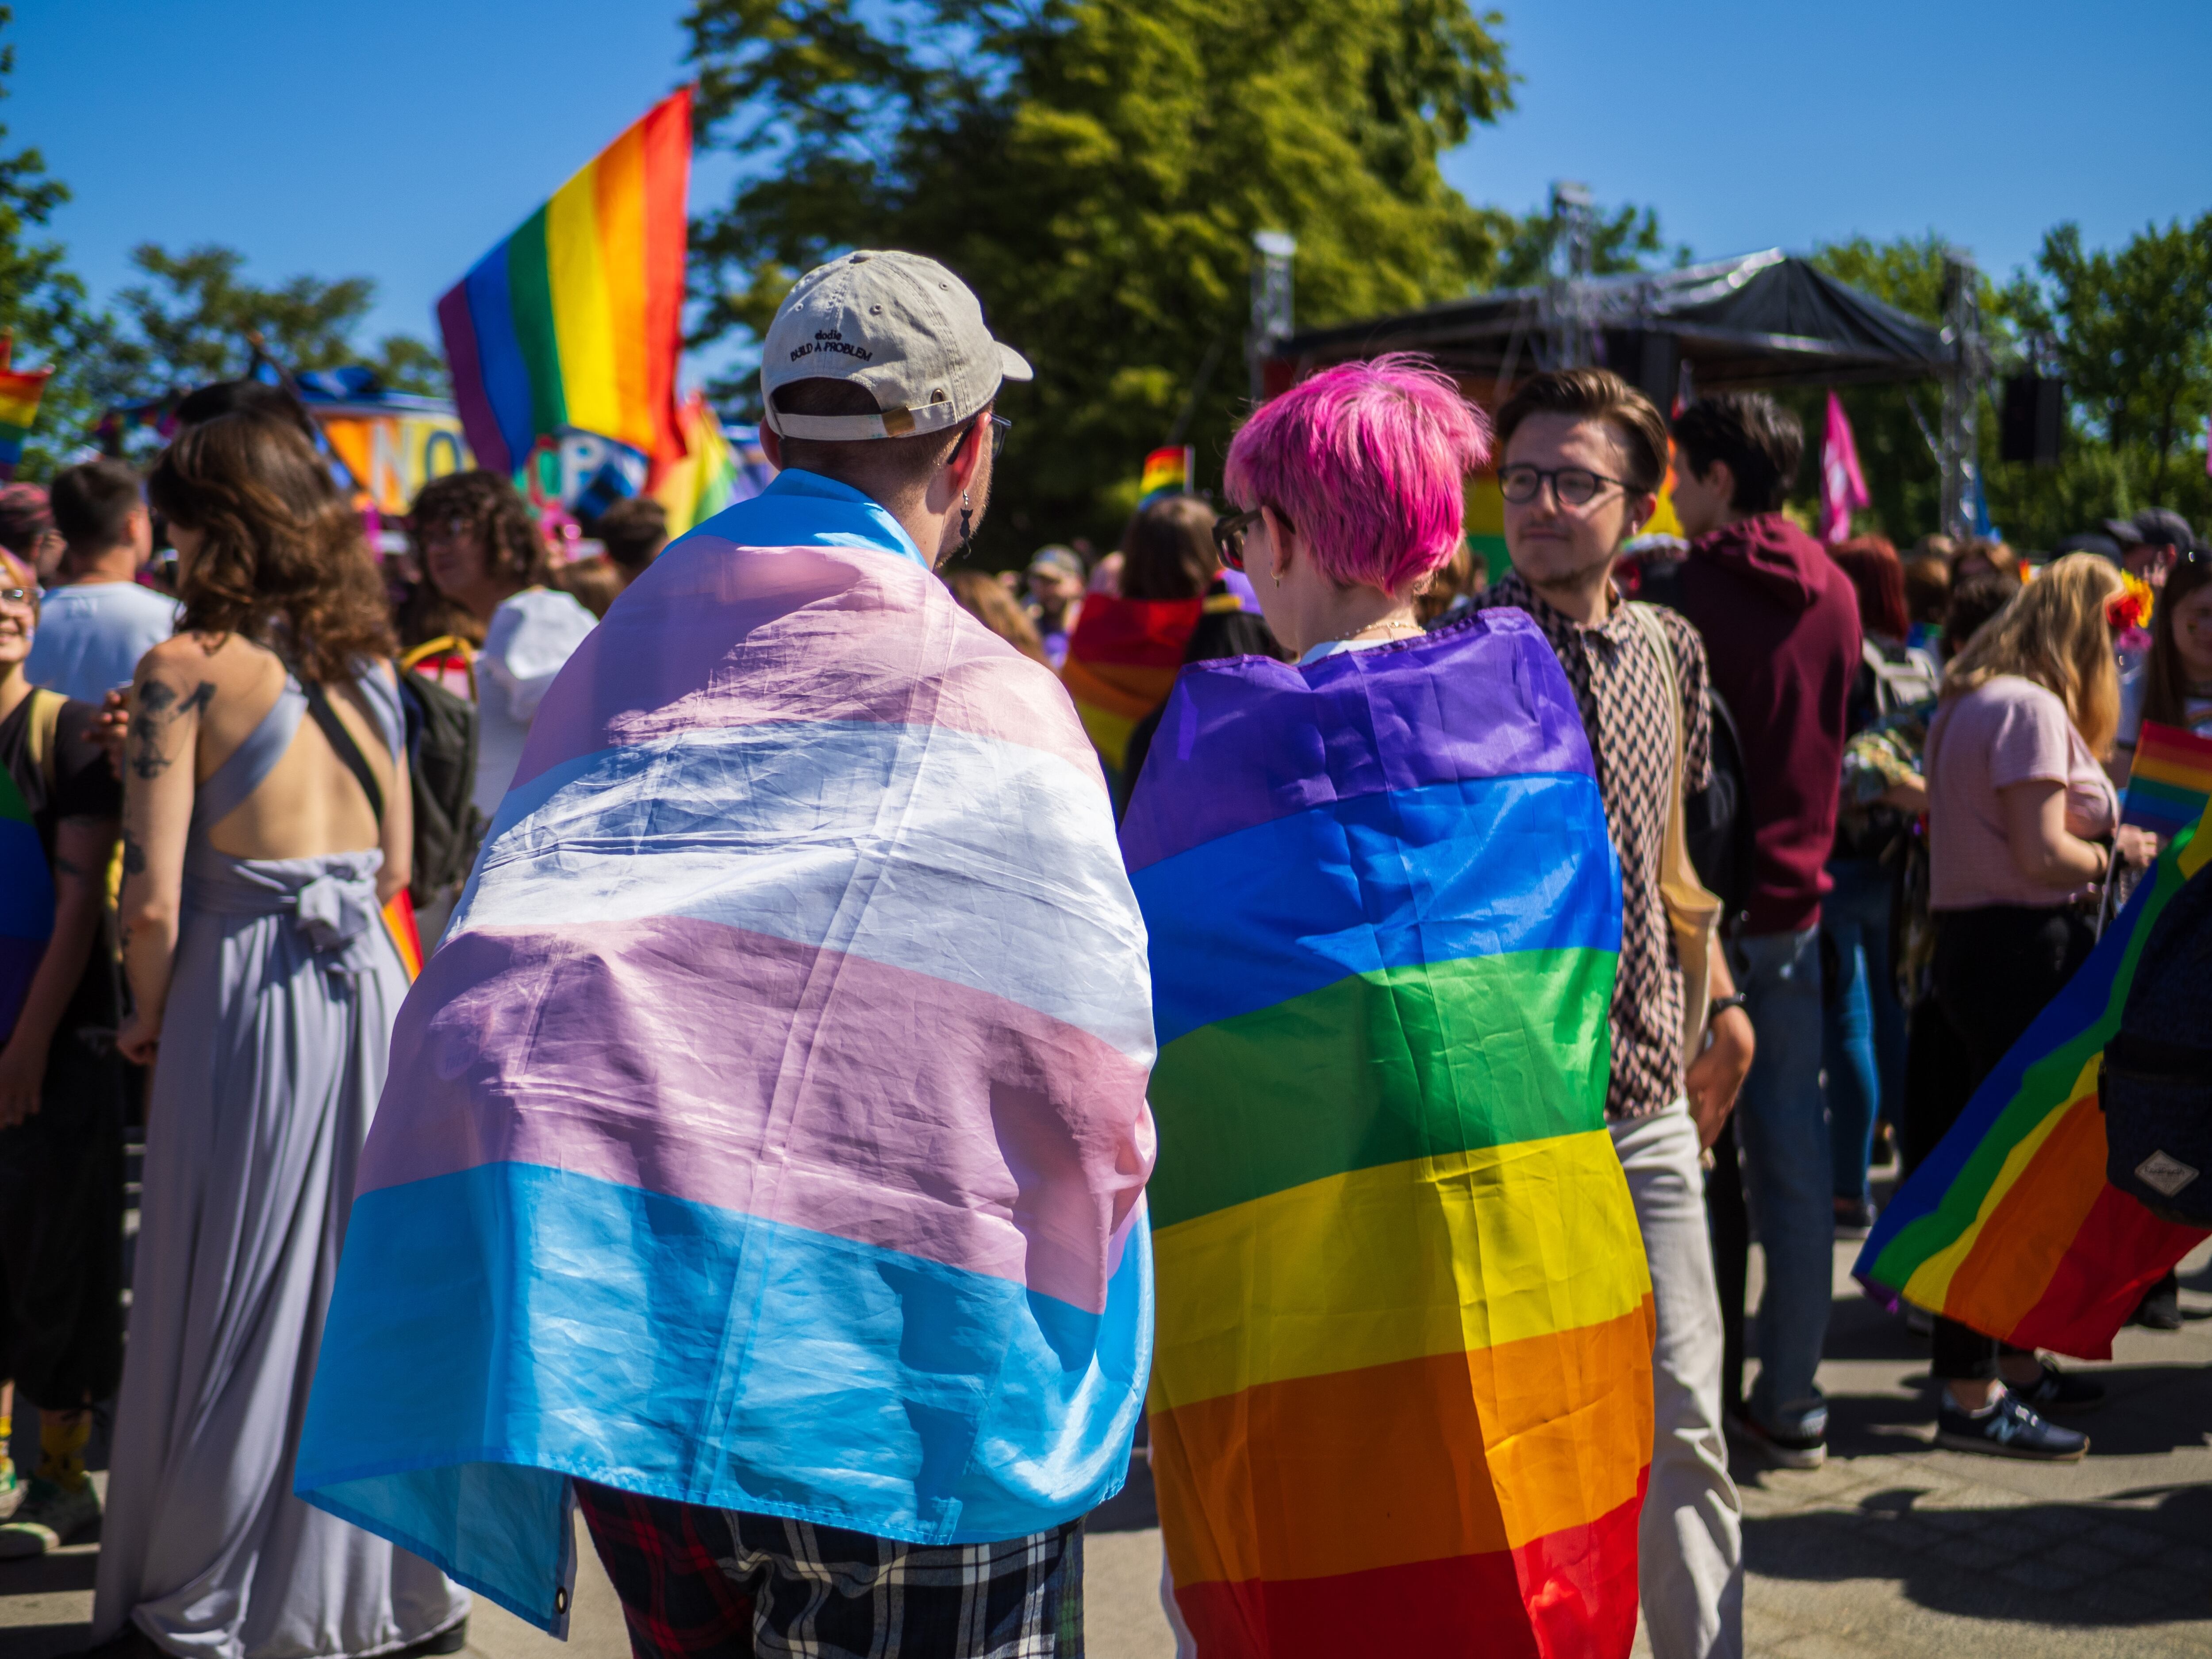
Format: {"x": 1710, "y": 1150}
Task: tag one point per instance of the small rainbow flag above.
{"x": 2010, "y": 1227}
{"x": 2171, "y": 782}
{"x": 19, "y": 411}
{"x": 574, "y": 320}
{"x": 1400, "y": 1398}
{"x": 406, "y": 938}
{"x": 1122, "y": 664}
{"x": 705, "y": 481}
{"x": 1167, "y": 472}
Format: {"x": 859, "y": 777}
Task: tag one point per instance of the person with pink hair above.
{"x": 1355, "y": 481}
{"x": 1389, "y": 1413}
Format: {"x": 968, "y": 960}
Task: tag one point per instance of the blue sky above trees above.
{"x": 400, "y": 142}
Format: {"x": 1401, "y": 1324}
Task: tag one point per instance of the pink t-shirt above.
{"x": 2007, "y": 731}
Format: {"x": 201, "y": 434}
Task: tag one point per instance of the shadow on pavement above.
{"x": 2081, "y": 1566}
{"x": 1133, "y": 1509}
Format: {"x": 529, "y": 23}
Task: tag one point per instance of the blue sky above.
{"x": 400, "y": 139}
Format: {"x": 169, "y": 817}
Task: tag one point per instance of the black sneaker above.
{"x": 1854, "y": 1217}
{"x": 2160, "y": 1307}
{"x": 2058, "y": 1391}
{"x": 451, "y": 1640}
{"x": 2008, "y": 1428}
{"x": 1792, "y": 1451}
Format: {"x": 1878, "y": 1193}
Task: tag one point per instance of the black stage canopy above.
{"x": 1758, "y": 320}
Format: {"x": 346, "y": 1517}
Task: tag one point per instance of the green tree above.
{"x": 2132, "y": 333}
{"x": 196, "y": 319}
{"x": 1096, "y": 169}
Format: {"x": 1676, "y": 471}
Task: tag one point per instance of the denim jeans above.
{"x": 1783, "y": 1137}
{"x": 1863, "y": 1044}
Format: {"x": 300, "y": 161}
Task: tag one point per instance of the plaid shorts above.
{"x": 697, "y": 1581}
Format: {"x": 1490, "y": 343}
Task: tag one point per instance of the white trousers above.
{"x": 1690, "y": 1542}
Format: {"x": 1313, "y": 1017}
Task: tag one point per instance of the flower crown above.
{"x": 2131, "y": 606}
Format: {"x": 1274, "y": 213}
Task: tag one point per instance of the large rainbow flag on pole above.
{"x": 575, "y": 319}
{"x": 2010, "y": 1227}
{"x": 1401, "y": 1395}
{"x": 769, "y": 1130}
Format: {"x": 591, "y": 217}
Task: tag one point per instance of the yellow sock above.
{"x": 61, "y": 1448}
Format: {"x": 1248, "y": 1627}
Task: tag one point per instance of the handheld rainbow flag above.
{"x": 20, "y": 392}
{"x": 1167, "y": 472}
{"x": 1401, "y": 1390}
{"x": 769, "y": 1130}
{"x": 2170, "y": 784}
{"x": 574, "y": 320}
{"x": 705, "y": 481}
{"x": 26, "y": 902}
{"x": 406, "y": 936}
{"x": 2010, "y": 1227}
{"x": 1121, "y": 663}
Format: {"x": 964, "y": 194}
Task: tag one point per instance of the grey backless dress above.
{"x": 273, "y": 1054}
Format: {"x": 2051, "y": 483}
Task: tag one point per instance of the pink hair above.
{"x": 1369, "y": 461}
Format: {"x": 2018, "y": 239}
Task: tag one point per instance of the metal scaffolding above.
{"x": 1960, "y": 451}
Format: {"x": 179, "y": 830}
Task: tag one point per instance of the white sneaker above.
{"x": 47, "y": 1519}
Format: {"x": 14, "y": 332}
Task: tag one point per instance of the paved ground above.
{"x": 1895, "y": 1549}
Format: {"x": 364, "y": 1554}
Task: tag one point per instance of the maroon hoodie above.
{"x": 1781, "y": 624}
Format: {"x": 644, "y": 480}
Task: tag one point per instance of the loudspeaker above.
{"x": 2034, "y": 419}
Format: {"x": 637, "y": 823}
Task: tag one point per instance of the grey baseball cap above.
{"x": 898, "y": 324}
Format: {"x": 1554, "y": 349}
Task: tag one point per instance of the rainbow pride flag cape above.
{"x": 2170, "y": 783}
{"x": 575, "y": 319}
{"x": 1121, "y": 663}
{"x": 1402, "y": 1397}
{"x": 769, "y": 1130}
{"x": 26, "y": 902}
{"x": 2010, "y": 1226}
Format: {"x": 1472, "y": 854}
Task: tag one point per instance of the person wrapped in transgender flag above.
{"x": 768, "y": 1132}
{"x": 1402, "y": 1397}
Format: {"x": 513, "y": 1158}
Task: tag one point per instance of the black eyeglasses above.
{"x": 1574, "y": 486}
{"x": 1230, "y": 531}
{"x": 999, "y": 427}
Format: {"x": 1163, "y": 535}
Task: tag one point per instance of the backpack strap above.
{"x": 341, "y": 743}
{"x": 1693, "y": 913}
{"x": 45, "y": 722}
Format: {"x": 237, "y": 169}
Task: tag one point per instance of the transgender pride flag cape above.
{"x": 1401, "y": 1401}
{"x": 768, "y": 1132}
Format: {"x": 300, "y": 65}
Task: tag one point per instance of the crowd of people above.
{"x": 1865, "y": 807}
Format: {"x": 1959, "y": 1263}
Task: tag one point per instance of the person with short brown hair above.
{"x": 1581, "y": 455}
{"x": 96, "y": 620}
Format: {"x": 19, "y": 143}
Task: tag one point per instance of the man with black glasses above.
{"x": 1583, "y": 453}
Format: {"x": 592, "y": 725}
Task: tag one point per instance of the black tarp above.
{"x": 1761, "y": 319}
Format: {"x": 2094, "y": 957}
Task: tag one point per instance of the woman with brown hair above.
{"x": 2023, "y": 826}
{"x": 481, "y": 550}
{"x": 266, "y": 822}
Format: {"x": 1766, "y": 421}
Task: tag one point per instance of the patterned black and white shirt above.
{"x": 1620, "y": 685}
